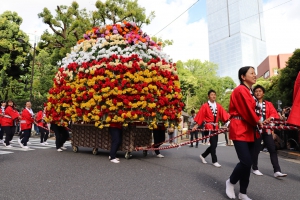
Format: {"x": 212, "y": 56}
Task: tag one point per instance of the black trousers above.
{"x": 44, "y": 134}
{"x": 226, "y": 138}
{"x": 194, "y": 133}
{"x": 25, "y": 136}
{"x": 116, "y": 141}
{"x": 61, "y": 135}
{"x": 9, "y": 131}
{"x": 159, "y": 137}
{"x": 241, "y": 172}
{"x": 204, "y": 133}
{"x": 269, "y": 143}
{"x": 1, "y": 133}
{"x": 212, "y": 149}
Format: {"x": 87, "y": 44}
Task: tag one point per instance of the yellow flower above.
{"x": 108, "y": 119}
{"x": 97, "y": 118}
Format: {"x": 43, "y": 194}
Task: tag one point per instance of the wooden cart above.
{"x": 87, "y": 135}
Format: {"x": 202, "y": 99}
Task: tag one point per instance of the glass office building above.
{"x": 236, "y": 35}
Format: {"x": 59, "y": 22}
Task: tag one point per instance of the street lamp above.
{"x": 32, "y": 68}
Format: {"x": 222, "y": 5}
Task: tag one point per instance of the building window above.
{"x": 267, "y": 74}
{"x": 275, "y": 72}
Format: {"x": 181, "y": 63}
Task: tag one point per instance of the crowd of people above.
{"x": 248, "y": 111}
{"x": 14, "y": 122}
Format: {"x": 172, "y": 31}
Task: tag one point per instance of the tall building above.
{"x": 236, "y": 35}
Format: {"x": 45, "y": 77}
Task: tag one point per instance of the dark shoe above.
{"x": 191, "y": 146}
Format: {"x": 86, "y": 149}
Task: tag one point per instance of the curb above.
{"x": 289, "y": 154}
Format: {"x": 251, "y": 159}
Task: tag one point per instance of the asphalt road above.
{"x": 48, "y": 174}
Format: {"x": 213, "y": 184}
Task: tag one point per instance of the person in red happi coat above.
{"x": 2, "y": 110}
{"x": 7, "y": 122}
{"x": 210, "y": 113}
{"x": 43, "y": 128}
{"x": 26, "y": 125}
{"x": 268, "y": 113}
{"x": 245, "y": 117}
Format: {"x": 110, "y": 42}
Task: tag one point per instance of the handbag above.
{"x": 170, "y": 130}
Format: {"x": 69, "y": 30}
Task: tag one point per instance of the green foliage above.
{"x": 197, "y": 78}
{"x": 14, "y": 57}
{"x": 66, "y": 25}
{"x": 44, "y": 73}
{"x": 163, "y": 43}
{"x": 114, "y": 11}
{"x": 288, "y": 77}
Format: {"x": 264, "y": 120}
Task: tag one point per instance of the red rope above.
{"x": 216, "y": 132}
{"x": 222, "y": 130}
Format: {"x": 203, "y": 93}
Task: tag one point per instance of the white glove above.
{"x": 227, "y": 124}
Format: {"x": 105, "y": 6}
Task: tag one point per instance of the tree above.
{"x": 14, "y": 57}
{"x": 197, "y": 78}
{"x": 44, "y": 74}
{"x": 288, "y": 77}
{"x": 114, "y": 11}
{"x": 67, "y": 25}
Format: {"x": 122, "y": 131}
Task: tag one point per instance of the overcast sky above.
{"x": 189, "y": 32}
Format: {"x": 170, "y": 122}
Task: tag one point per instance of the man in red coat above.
{"x": 2, "y": 111}
{"x": 268, "y": 113}
{"x": 26, "y": 125}
{"x": 43, "y": 127}
{"x": 210, "y": 113}
{"x": 7, "y": 122}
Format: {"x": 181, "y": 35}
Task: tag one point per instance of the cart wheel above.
{"x": 95, "y": 151}
{"x": 127, "y": 155}
{"x": 75, "y": 149}
{"x": 145, "y": 153}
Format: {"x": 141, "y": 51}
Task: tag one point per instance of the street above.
{"x": 44, "y": 173}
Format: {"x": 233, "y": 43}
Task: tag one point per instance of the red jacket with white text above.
{"x": 1, "y": 117}
{"x": 39, "y": 119}
{"x": 27, "y": 120}
{"x": 205, "y": 115}
{"x": 9, "y": 116}
{"x": 243, "y": 117}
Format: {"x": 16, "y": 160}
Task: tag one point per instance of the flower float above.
{"x": 116, "y": 73}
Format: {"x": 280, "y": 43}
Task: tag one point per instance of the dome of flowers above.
{"x": 116, "y": 73}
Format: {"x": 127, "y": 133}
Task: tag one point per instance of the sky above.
{"x": 189, "y": 32}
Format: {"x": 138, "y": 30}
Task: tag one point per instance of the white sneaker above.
{"x": 115, "y": 161}
{"x": 28, "y": 142}
{"x": 115, "y": 158}
{"x": 216, "y": 164}
{"x": 25, "y": 147}
{"x": 42, "y": 143}
{"x": 243, "y": 197}
{"x": 279, "y": 174}
{"x": 46, "y": 143}
{"x": 230, "y": 189}
{"x": 257, "y": 172}
{"x": 160, "y": 156}
{"x": 202, "y": 159}
{"x": 19, "y": 141}
{"x": 8, "y": 146}
{"x": 63, "y": 148}
{"x": 59, "y": 150}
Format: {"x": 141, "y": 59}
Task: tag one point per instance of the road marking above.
{"x": 34, "y": 145}
{"x": 5, "y": 152}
